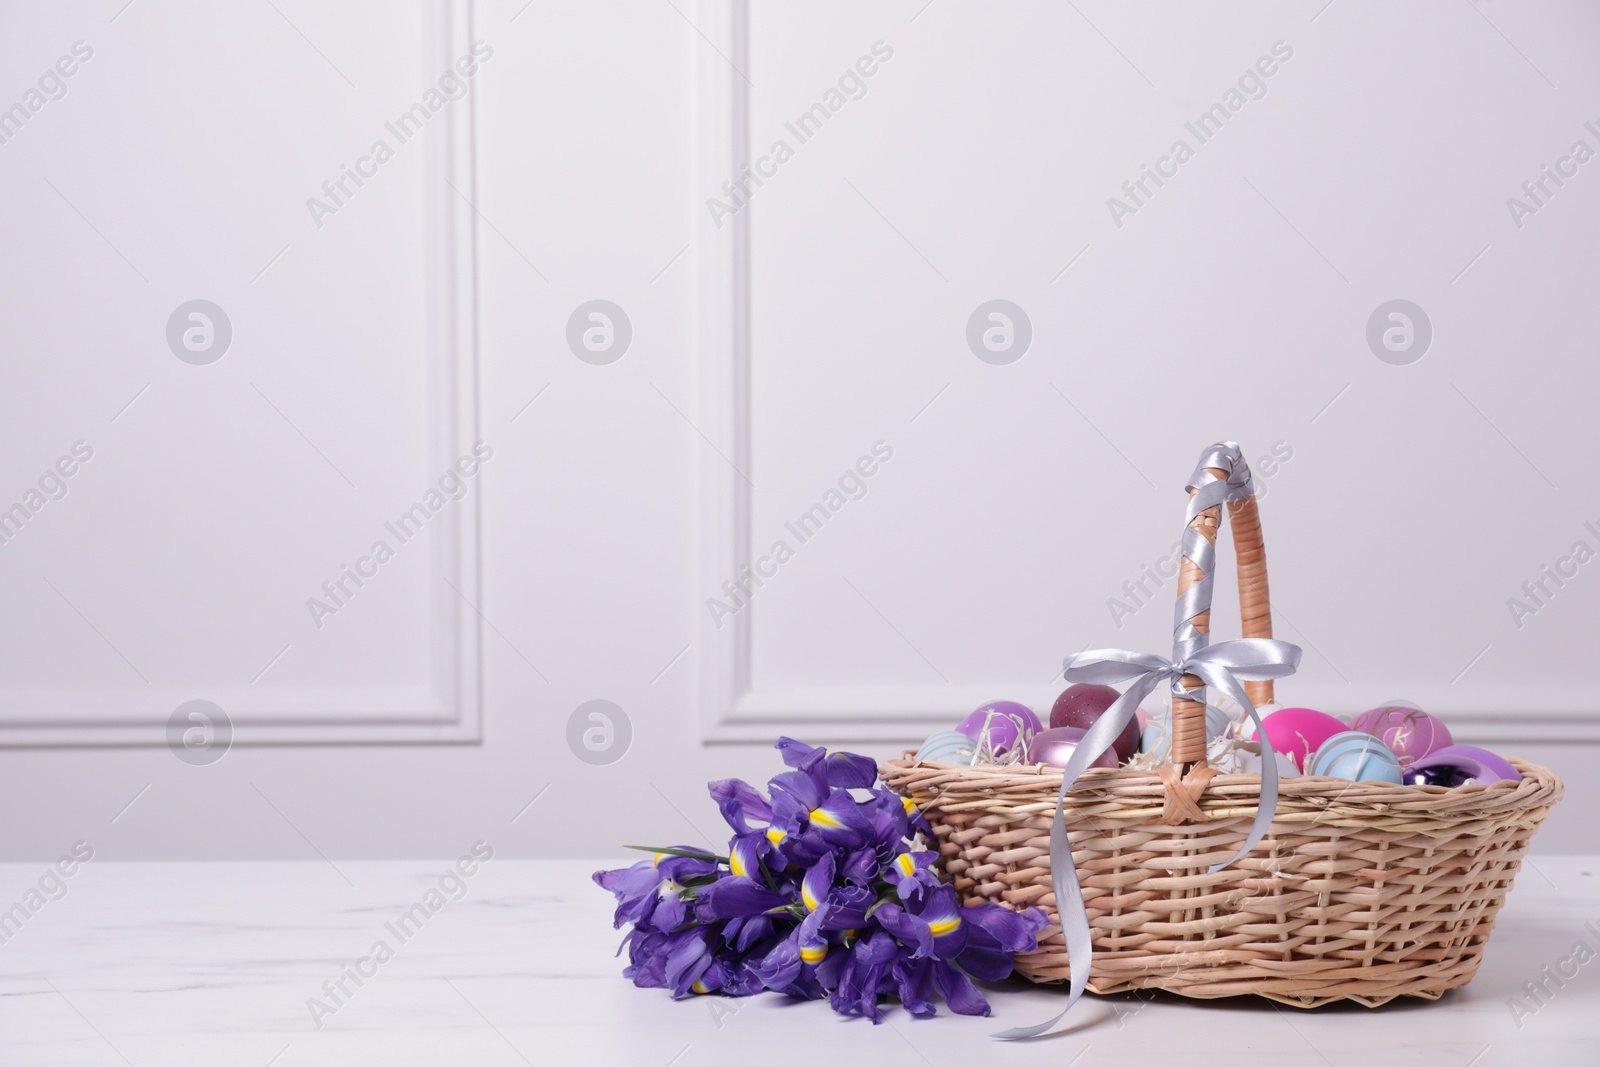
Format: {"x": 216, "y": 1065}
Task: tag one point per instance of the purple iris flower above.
{"x": 911, "y": 873}
{"x": 737, "y": 897}
{"x": 843, "y": 770}
{"x": 866, "y": 973}
{"x": 789, "y": 965}
{"x": 638, "y": 888}
{"x": 803, "y": 803}
{"x": 952, "y": 942}
{"x": 738, "y": 801}
{"x": 824, "y": 892}
{"x": 841, "y": 907}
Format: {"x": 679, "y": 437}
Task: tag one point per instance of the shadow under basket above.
{"x": 1360, "y": 891}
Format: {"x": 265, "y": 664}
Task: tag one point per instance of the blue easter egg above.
{"x": 1157, "y": 733}
{"x": 1355, "y": 755}
{"x": 948, "y": 746}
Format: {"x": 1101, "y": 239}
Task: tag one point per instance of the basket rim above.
{"x": 1229, "y": 794}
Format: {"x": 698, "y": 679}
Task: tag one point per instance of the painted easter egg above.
{"x": 1056, "y": 746}
{"x": 948, "y": 746}
{"x": 1082, "y": 705}
{"x": 1157, "y": 736}
{"x": 1464, "y": 765}
{"x": 1356, "y": 755}
{"x": 1410, "y": 733}
{"x": 1009, "y": 725}
{"x": 1297, "y": 732}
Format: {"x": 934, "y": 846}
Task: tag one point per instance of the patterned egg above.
{"x": 948, "y": 746}
{"x": 1356, "y": 755}
{"x": 1157, "y": 734}
{"x": 1082, "y": 705}
{"x": 1410, "y": 733}
{"x": 1468, "y": 762}
{"x": 1056, "y": 746}
{"x": 1297, "y": 732}
{"x": 1009, "y": 725}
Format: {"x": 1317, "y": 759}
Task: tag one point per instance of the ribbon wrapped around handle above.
{"x": 1222, "y": 667}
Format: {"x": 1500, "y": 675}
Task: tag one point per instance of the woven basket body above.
{"x": 1359, "y": 891}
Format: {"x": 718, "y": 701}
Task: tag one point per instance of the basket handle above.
{"x": 1191, "y": 631}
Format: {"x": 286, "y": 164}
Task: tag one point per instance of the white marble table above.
{"x": 214, "y": 963}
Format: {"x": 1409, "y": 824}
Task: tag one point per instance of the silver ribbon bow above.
{"x": 1221, "y": 666}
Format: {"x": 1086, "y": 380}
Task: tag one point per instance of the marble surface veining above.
{"x": 280, "y": 964}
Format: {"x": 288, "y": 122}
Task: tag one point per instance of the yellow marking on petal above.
{"x": 810, "y": 901}
{"x": 735, "y": 864}
{"x": 699, "y": 986}
{"x": 824, "y": 818}
{"x": 657, "y": 858}
{"x": 774, "y": 834}
{"x": 940, "y": 927}
{"x": 907, "y": 865}
{"x": 813, "y": 953}
{"x": 911, "y": 809}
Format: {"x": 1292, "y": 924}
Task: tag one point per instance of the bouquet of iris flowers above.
{"x": 821, "y": 893}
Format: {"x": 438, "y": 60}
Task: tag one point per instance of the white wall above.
{"x": 977, "y": 165}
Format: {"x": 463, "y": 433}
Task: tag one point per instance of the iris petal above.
{"x": 910, "y": 930}
{"x": 805, "y": 790}
{"x": 914, "y": 979}
{"x": 958, "y": 991}
{"x": 686, "y": 962}
{"x": 861, "y": 867}
{"x": 780, "y": 967}
{"x": 744, "y": 856}
{"x": 983, "y": 957}
{"x": 846, "y": 770}
{"x": 737, "y": 800}
{"x": 794, "y": 752}
{"x": 1012, "y": 931}
{"x": 817, "y": 884}
{"x": 846, "y": 908}
{"x": 731, "y": 897}
{"x": 839, "y": 820}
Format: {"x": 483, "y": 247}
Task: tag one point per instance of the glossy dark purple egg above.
{"x": 1447, "y": 775}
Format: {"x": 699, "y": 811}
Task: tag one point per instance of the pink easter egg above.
{"x": 1409, "y": 732}
{"x": 1010, "y": 725}
{"x": 1296, "y": 732}
{"x": 1056, "y": 746}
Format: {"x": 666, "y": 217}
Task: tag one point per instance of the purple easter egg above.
{"x": 1082, "y": 705}
{"x": 1011, "y": 725}
{"x": 1477, "y": 764}
{"x": 1446, "y": 774}
{"x": 1409, "y": 732}
{"x": 1056, "y": 745}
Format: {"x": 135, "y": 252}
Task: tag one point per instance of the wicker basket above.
{"x": 1358, "y": 891}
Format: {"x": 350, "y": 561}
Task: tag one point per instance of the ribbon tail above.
{"x": 1070, "y": 912}
{"x": 1267, "y": 806}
